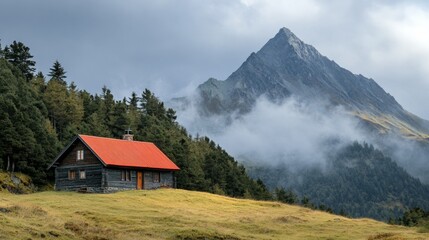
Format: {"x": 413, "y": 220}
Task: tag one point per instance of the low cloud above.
{"x": 298, "y": 134}
{"x": 292, "y": 132}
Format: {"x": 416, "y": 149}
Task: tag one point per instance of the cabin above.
{"x": 98, "y": 164}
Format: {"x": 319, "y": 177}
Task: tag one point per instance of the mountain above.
{"x": 323, "y": 165}
{"x": 286, "y": 66}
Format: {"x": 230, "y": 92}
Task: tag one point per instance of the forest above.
{"x": 358, "y": 181}
{"x": 40, "y": 114}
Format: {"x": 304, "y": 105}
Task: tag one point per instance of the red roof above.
{"x": 124, "y": 153}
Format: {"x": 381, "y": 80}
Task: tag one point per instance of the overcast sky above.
{"x": 172, "y": 46}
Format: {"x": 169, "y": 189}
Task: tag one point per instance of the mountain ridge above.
{"x": 286, "y": 66}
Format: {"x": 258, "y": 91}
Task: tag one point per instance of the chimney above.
{"x": 128, "y": 136}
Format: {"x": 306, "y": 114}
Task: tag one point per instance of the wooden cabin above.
{"x": 98, "y": 164}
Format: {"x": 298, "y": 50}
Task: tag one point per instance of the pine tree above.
{"x": 133, "y": 100}
{"x": 19, "y": 55}
{"x": 27, "y": 142}
{"x": 57, "y": 73}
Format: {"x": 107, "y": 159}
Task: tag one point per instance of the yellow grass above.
{"x": 386, "y": 123}
{"x": 176, "y": 214}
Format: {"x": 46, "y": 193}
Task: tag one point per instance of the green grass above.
{"x": 176, "y": 214}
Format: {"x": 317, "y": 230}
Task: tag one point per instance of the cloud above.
{"x": 298, "y": 134}
{"x": 292, "y": 132}
{"x": 172, "y": 46}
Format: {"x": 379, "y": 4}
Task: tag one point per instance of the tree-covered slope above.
{"x": 359, "y": 181}
{"x": 27, "y": 139}
{"x": 39, "y": 116}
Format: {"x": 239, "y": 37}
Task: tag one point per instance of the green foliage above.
{"x": 65, "y": 107}
{"x": 56, "y": 72}
{"x": 19, "y": 55}
{"x": 286, "y": 196}
{"x": 414, "y": 217}
{"x": 38, "y": 117}
{"x": 27, "y": 142}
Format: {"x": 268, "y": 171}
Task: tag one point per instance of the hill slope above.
{"x": 176, "y": 214}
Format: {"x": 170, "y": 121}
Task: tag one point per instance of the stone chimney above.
{"x": 128, "y": 136}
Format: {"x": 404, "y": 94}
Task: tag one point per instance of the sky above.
{"x": 171, "y": 47}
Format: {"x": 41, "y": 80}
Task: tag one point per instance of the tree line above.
{"x": 415, "y": 217}
{"x": 39, "y": 115}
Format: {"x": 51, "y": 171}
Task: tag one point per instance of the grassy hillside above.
{"x": 176, "y": 214}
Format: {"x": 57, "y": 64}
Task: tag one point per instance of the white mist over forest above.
{"x": 297, "y": 134}
{"x": 290, "y": 132}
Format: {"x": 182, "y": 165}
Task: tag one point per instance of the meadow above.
{"x": 176, "y": 214}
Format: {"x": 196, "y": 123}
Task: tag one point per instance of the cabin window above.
{"x": 79, "y": 155}
{"x": 126, "y": 175}
{"x": 82, "y": 174}
{"x": 156, "y": 176}
{"x": 72, "y": 174}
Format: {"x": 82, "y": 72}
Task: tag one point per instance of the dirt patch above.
{"x": 246, "y": 220}
{"x": 75, "y": 227}
{"x": 384, "y": 236}
{"x": 290, "y": 219}
{"x": 37, "y": 211}
{"x": 197, "y": 235}
{"x": 89, "y": 232}
{"x": 25, "y": 211}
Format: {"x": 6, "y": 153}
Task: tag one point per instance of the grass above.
{"x": 176, "y": 214}
{"x": 386, "y": 123}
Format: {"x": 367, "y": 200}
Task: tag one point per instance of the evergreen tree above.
{"x": 19, "y": 55}
{"x": 133, "y": 100}
{"x": 27, "y": 143}
{"x": 285, "y": 196}
{"x": 56, "y": 72}
{"x": 64, "y": 107}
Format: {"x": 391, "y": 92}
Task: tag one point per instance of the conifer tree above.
{"x": 19, "y": 55}
{"x": 57, "y": 73}
{"x": 133, "y": 100}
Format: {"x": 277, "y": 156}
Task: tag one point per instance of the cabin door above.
{"x": 139, "y": 180}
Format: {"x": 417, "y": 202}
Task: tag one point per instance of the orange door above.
{"x": 139, "y": 180}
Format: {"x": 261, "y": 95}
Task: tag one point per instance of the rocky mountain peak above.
{"x": 286, "y": 44}
{"x": 286, "y": 66}
{"x": 287, "y": 33}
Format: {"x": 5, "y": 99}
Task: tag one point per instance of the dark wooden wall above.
{"x": 113, "y": 179}
{"x": 70, "y": 158}
{"x": 93, "y": 178}
{"x": 92, "y": 166}
{"x": 166, "y": 179}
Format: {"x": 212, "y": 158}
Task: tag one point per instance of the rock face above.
{"x": 286, "y": 66}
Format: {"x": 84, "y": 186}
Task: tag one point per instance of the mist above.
{"x": 291, "y": 132}
{"x": 297, "y": 134}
